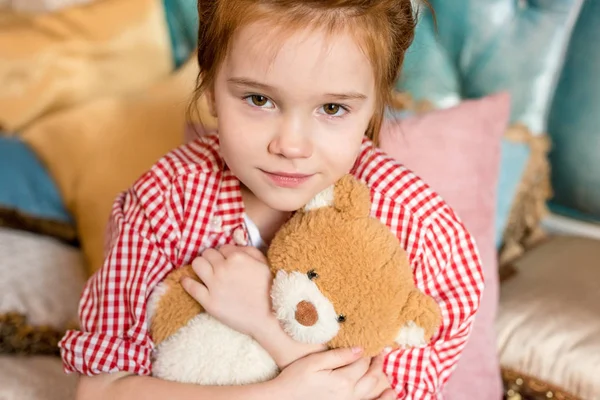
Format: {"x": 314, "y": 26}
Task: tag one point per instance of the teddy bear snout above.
{"x": 306, "y": 313}
{"x": 302, "y": 309}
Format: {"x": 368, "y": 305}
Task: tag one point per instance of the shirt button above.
{"x": 239, "y": 237}
{"x": 216, "y": 222}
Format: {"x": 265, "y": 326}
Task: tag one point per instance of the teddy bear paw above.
{"x": 411, "y": 335}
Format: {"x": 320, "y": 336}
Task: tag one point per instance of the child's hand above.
{"x": 382, "y": 389}
{"x": 327, "y": 375}
{"x": 235, "y": 287}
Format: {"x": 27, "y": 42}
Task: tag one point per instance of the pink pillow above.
{"x": 457, "y": 152}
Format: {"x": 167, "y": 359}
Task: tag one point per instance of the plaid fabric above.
{"x": 190, "y": 201}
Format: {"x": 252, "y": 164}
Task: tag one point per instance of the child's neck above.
{"x": 267, "y": 220}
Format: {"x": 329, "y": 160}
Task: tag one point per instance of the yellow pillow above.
{"x": 99, "y": 149}
{"x": 55, "y": 60}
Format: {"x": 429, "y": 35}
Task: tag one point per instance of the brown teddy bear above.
{"x": 340, "y": 278}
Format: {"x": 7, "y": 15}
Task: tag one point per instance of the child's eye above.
{"x": 334, "y": 110}
{"x": 257, "y": 100}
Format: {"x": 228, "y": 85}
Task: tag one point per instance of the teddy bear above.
{"x": 340, "y": 278}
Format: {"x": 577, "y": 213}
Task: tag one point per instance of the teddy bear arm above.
{"x": 421, "y": 317}
{"x": 170, "y": 307}
{"x": 430, "y": 316}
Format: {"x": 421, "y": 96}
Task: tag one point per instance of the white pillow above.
{"x": 41, "y": 280}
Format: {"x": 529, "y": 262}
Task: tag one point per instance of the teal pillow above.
{"x": 29, "y": 198}
{"x": 182, "y": 19}
{"x": 574, "y": 123}
{"x": 428, "y": 72}
{"x": 513, "y": 161}
{"x": 483, "y": 47}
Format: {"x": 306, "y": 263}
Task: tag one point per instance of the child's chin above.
{"x": 290, "y": 202}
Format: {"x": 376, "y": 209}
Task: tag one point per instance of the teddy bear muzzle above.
{"x": 303, "y": 311}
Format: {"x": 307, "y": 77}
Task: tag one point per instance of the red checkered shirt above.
{"x": 190, "y": 201}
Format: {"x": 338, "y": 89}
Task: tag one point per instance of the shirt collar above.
{"x": 229, "y": 206}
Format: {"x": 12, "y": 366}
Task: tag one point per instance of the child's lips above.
{"x": 287, "y": 179}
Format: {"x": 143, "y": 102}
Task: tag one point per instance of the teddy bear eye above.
{"x": 341, "y": 318}
{"x": 312, "y": 274}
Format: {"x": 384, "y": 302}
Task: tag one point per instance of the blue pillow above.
{"x": 574, "y": 123}
{"x": 471, "y": 55}
{"x": 513, "y": 161}
{"x": 182, "y": 19}
{"x": 29, "y": 198}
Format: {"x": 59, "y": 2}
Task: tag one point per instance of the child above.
{"x": 299, "y": 88}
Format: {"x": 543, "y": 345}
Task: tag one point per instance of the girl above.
{"x": 299, "y": 88}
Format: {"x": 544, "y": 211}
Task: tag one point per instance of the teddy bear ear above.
{"x": 347, "y": 195}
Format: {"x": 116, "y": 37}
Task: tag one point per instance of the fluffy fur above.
{"x": 193, "y": 347}
{"x": 340, "y": 278}
{"x": 207, "y": 352}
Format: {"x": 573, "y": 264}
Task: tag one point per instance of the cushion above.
{"x": 524, "y": 226}
{"x": 41, "y": 280}
{"x": 465, "y": 54}
{"x": 42, "y": 6}
{"x": 99, "y": 149}
{"x": 35, "y": 378}
{"x": 29, "y": 198}
{"x": 52, "y": 61}
{"x": 513, "y": 162}
{"x": 515, "y": 157}
{"x": 457, "y": 151}
{"x": 549, "y": 321}
{"x": 574, "y": 123}
{"x": 182, "y": 17}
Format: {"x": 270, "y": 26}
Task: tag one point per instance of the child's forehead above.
{"x": 272, "y": 53}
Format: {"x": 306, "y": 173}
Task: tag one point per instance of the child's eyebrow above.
{"x": 263, "y": 86}
{"x": 250, "y": 83}
{"x": 347, "y": 96}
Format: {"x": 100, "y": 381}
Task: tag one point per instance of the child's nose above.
{"x": 292, "y": 139}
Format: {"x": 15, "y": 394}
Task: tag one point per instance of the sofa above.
{"x": 495, "y": 108}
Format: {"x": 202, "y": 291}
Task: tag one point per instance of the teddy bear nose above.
{"x": 306, "y": 313}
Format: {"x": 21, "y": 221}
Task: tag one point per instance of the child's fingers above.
{"x": 204, "y": 269}
{"x": 389, "y": 394}
{"x": 334, "y": 359}
{"x": 228, "y": 250}
{"x": 381, "y": 386}
{"x": 365, "y": 386}
{"x": 214, "y": 257}
{"x": 376, "y": 373}
{"x": 377, "y": 362}
{"x": 197, "y": 290}
{"x": 254, "y": 253}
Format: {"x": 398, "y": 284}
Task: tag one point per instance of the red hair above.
{"x": 383, "y": 28}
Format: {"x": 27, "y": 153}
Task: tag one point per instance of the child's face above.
{"x": 298, "y": 108}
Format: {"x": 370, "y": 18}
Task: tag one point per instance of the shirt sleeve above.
{"x": 113, "y": 335}
{"x": 448, "y": 268}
